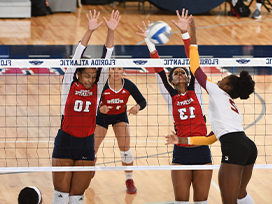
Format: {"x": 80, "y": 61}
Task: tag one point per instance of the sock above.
{"x": 245, "y": 200}
{"x": 201, "y": 202}
{"x": 258, "y": 6}
{"x": 76, "y": 199}
{"x": 59, "y": 197}
{"x": 128, "y": 175}
{"x": 181, "y": 202}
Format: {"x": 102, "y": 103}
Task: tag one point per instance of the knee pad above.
{"x": 245, "y": 200}
{"x": 181, "y": 202}
{"x": 76, "y": 199}
{"x": 60, "y": 197}
{"x": 126, "y": 156}
{"x": 201, "y": 202}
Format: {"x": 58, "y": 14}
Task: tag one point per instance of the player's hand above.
{"x": 183, "y": 21}
{"x": 92, "y": 20}
{"x": 114, "y": 20}
{"x": 143, "y": 30}
{"x": 134, "y": 110}
{"x": 172, "y": 138}
{"x": 104, "y": 109}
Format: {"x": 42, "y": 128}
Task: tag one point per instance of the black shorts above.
{"x": 238, "y": 149}
{"x": 69, "y": 147}
{"x": 105, "y": 120}
{"x": 191, "y": 156}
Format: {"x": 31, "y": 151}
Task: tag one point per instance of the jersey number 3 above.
{"x": 182, "y": 112}
{"x": 79, "y": 106}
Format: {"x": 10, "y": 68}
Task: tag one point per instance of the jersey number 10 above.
{"x": 79, "y": 106}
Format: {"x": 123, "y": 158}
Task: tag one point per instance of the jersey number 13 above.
{"x": 183, "y": 111}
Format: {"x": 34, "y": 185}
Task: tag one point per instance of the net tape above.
{"x": 204, "y": 62}
{"x": 121, "y": 168}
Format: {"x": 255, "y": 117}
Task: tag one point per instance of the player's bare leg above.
{"x": 181, "y": 180}
{"x": 247, "y": 173}
{"x": 99, "y": 135}
{"x": 201, "y": 184}
{"x": 230, "y": 176}
{"x": 62, "y": 180}
{"x": 81, "y": 180}
{"x": 121, "y": 131}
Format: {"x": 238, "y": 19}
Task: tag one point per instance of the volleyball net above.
{"x": 30, "y": 113}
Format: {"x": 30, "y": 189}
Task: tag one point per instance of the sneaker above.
{"x": 94, "y": 171}
{"x": 256, "y": 14}
{"x": 131, "y": 189}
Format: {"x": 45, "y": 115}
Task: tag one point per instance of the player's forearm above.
{"x": 110, "y": 39}
{"x": 202, "y": 140}
{"x": 86, "y": 37}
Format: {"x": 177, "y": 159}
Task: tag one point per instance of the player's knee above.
{"x": 126, "y": 156}
{"x": 76, "y": 199}
{"x": 181, "y": 202}
{"x": 59, "y": 197}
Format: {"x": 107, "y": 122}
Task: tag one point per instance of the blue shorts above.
{"x": 69, "y": 147}
{"x": 238, "y": 149}
{"x": 105, "y": 120}
{"x": 191, "y": 156}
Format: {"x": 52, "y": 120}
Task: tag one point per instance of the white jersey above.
{"x": 223, "y": 114}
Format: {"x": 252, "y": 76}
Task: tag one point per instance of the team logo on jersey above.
{"x": 226, "y": 158}
{"x": 186, "y": 102}
{"x": 106, "y": 93}
{"x": 36, "y": 62}
{"x": 84, "y": 93}
{"x": 243, "y": 61}
{"x": 124, "y": 91}
{"x": 140, "y": 62}
{"x": 115, "y": 101}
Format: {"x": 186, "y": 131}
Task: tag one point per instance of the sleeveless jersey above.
{"x": 79, "y": 105}
{"x": 117, "y": 100}
{"x": 188, "y": 109}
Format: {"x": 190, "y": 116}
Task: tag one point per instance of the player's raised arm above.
{"x": 182, "y": 24}
{"x": 194, "y": 56}
{"x": 112, "y": 24}
{"x": 92, "y": 26}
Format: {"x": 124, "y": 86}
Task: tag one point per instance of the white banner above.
{"x": 182, "y": 62}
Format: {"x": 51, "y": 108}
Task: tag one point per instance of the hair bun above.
{"x": 244, "y": 74}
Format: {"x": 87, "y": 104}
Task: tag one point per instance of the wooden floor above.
{"x": 38, "y": 108}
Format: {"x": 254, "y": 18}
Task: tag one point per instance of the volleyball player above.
{"x": 239, "y": 153}
{"x": 74, "y": 143}
{"x": 113, "y": 110}
{"x": 186, "y": 106}
{"x": 30, "y": 195}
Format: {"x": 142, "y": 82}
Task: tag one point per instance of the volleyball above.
{"x": 159, "y": 32}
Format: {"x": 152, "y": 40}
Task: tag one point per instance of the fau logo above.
{"x": 84, "y": 93}
{"x": 36, "y": 62}
{"x": 115, "y": 101}
{"x": 140, "y": 62}
{"x": 243, "y": 61}
{"x": 186, "y": 102}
